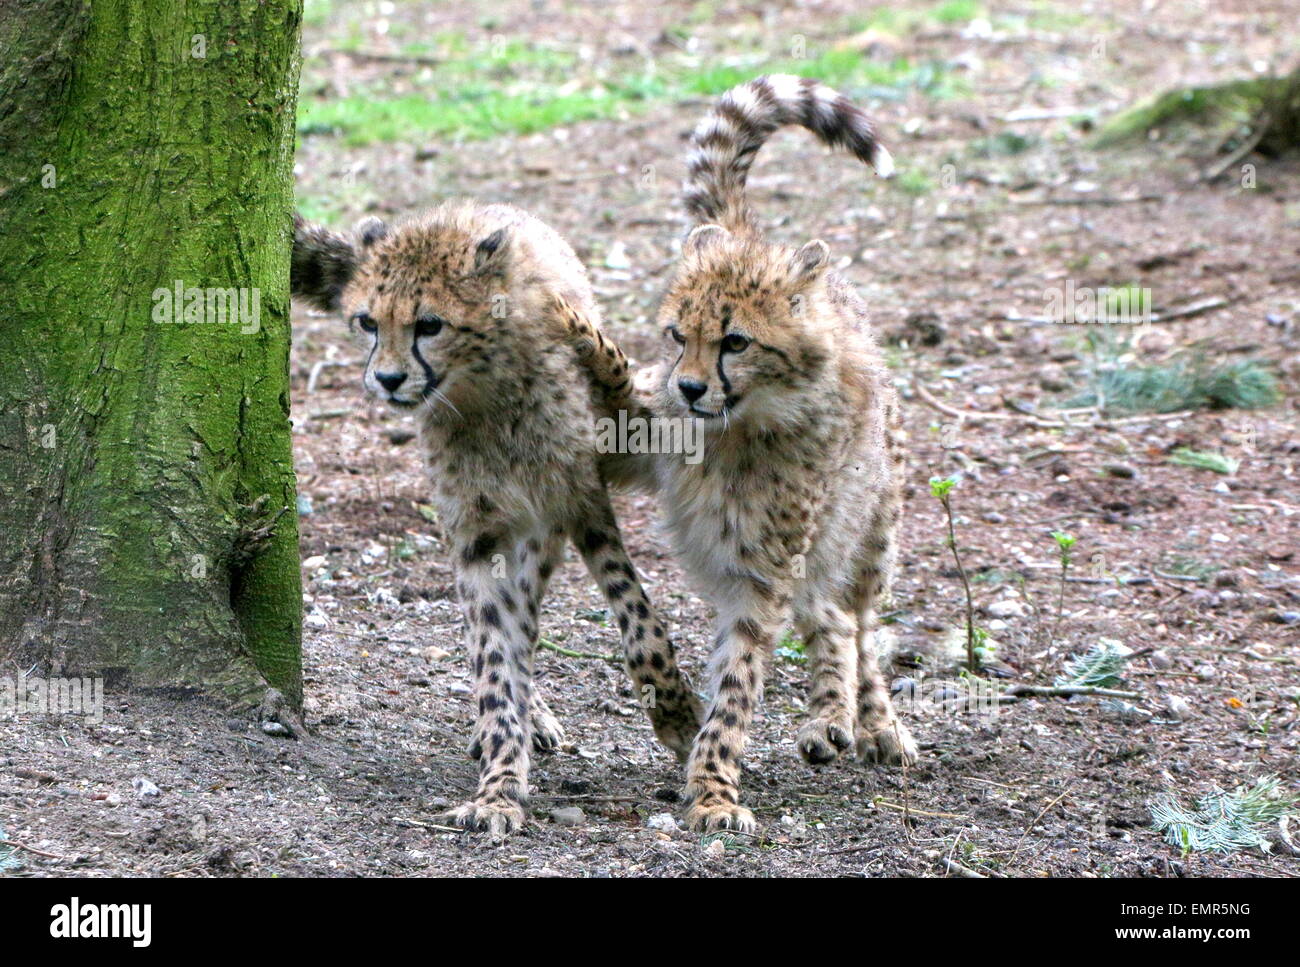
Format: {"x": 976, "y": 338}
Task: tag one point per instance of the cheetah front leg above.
{"x": 501, "y": 656}
{"x": 538, "y": 557}
{"x": 663, "y": 690}
{"x": 828, "y": 640}
{"x": 712, "y": 795}
{"x": 881, "y": 737}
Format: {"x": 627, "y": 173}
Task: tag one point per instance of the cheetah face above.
{"x": 398, "y": 368}
{"x": 738, "y": 316}
{"x": 419, "y": 299}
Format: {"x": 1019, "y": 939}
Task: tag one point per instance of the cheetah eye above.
{"x": 429, "y": 324}
{"x": 735, "y": 343}
{"x": 677, "y": 335}
{"x": 366, "y": 322}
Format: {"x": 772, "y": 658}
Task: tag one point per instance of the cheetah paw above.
{"x": 719, "y": 816}
{"x": 677, "y": 726}
{"x": 547, "y": 733}
{"x": 892, "y": 746}
{"x": 498, "y": 818}
{"x": 821, "y": 741}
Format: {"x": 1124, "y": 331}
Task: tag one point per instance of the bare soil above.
{"x": 1047, "y": 787}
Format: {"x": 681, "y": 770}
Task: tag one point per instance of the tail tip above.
{"x": 882, "y": 161}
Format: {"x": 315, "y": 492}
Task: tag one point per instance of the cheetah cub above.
{"x": 453, "y": 307}
{"x": 791, "y": 517}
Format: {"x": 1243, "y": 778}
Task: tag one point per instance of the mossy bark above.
{"x": 144, "y": 452}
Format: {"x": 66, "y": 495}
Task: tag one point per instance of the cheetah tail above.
{"x": 725, "y": 142}
{"x": 321, "y": 264}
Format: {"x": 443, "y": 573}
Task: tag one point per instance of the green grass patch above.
{"x": 515, "y": 88}
{"x": 1217, "y": 462}
{"x": 894, "y": 20}
{"x": 791, "y": 649}
{"x": 1003, "y": 145}
{"x": 1245, "y": 384}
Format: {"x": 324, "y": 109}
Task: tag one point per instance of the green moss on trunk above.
{"x": 144, "y": 142}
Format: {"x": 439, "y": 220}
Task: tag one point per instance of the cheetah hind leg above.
{"x": 881, "y": 736}
{"x": 828, "y": 640}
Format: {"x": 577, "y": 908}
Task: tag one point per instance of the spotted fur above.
{"x": 455, "y": 310}
{"x": 791, "y": 518}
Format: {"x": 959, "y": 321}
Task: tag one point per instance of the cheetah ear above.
{"x": 321, "y": 265}
{"x": 490, "y": 253}
{"x": 703, "y": 237}
{"x": 371, "y": 230}
{"x": 809, "y": 262}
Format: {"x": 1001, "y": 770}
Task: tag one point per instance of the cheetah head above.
{"x": 423, "y": 298}
{"x": 744, "y": 320}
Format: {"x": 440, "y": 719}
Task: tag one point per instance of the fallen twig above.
{"x": 1213, "y": 172}
{"x": 1278, "y": 659}
{"x": 323, "y": 364}
{"x": 955, "y": 868}
{"x": 570, "y": 653}
{"x": 912, "y": 809}
{"x": 1182, "y": 312}
{"x": 1284, "y": 836}
{"x": 927, "y": 396}
{"x": 30, "y": 849}
{"x": 378, "y": 56}
{"x": 1089, "y": 200}
{"x": 1063, "y": 691}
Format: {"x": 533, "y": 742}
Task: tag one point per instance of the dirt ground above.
{"x": 1048, "y": 787}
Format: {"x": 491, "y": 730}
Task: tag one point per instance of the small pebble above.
{"x": 664, "y": 822}
{"x": 145, "y": 789}
{"x": 568, "y": 816}
{"x": 1006, "y": 608}
{"x": 1177, "y": 708}
{"x": 715, "y": 851}
{"x": 903, "y": 686}
{"x": 1160, "y": 660}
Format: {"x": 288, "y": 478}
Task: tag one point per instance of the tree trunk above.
{"x": 148, "y": 529}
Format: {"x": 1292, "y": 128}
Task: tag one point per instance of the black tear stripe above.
{"x": 374, "y": 344}
{"x": 726, "y": 383}
{"x": 430, "y": 382}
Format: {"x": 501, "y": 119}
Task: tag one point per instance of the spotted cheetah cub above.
{"x": 453, "y": 307}
{"x": 791, "y": 517}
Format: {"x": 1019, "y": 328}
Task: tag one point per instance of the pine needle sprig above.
{"x": 1102, "y": 666}
{"x": 1223, "y": 821}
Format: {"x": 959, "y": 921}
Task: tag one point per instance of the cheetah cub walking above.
{"x": 791, "y": 517}
{"x": 454, "y": 308}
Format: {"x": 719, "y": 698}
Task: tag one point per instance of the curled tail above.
{"x": 723, "y": 145}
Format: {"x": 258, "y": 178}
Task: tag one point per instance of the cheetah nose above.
{"x": 692, "y": 389}
{"x": 390, "y": 381}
